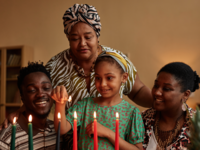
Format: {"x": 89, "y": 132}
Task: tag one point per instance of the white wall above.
{"x": 153, "y": 32}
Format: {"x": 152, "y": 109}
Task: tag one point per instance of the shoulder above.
{"x": 149, "y": 113}
{"x": 58, "y": 57}
{"x": 85, "y": 101}
{"x": 191, "y": 111}
{"x": 6, "y": 133}
{"x": 131, "y": 108}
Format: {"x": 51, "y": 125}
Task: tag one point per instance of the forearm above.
{"x": 122, "y": 143}
{"x": 143, "y": 97}
{"x": 141, "y": 94}
{"x": 65, "y": 126}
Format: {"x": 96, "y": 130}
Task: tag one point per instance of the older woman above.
{"x": 73, "y": 67}
{"x": 167, "y": 123}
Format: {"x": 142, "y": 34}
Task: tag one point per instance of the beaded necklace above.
{"x": 164, "y": 138}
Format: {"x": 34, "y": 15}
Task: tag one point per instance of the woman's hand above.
{"x": 102, "y": 131}
{"x": 11, "y": 117}
{"x": 59, "y": 94}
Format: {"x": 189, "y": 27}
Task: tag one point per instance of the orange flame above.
{"x": 30, "y": 118}
{"x": 59, "y": 116}
{"x": 75, "y": 115}
{"x": 117, "y": 115}
{"x": 95, "y": 115}
{"x": 70, "y": 99}
{"x": 14, "y": 120}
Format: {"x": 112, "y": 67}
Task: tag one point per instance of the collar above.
{"x": 23, "y": 122}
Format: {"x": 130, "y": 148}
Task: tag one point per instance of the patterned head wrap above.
{"x": 84, "y": 13}
{"x": 118, "y": 58}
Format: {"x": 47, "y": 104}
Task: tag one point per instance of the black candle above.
{"x": 58, "y": 134}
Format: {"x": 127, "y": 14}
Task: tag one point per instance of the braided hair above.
{"x": 183, "y": 73}
{"x": 32, "y": 67}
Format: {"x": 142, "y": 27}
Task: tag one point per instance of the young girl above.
{"x": 110, "y": 75}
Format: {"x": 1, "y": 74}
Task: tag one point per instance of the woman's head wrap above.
{"x": 84, "y": 13}
{"x": 118, "y": 58}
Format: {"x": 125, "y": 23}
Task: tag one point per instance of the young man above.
{"x": 35, "y": 87}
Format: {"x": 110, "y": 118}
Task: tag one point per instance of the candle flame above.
{"x": 70, "y": 99}
{"x": 94, "y": 114}
{"x": 117, "y": 115}
{"x": 59, "y": 116}
{"x": 14, "y": 120}
{"x": 75, "y": 115}
{"x": 30, "y": 118}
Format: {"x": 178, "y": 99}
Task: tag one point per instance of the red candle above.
{"x": 75, "y": 132}
{"x": 95, "y": 132}
{"x": 117, "y": 132}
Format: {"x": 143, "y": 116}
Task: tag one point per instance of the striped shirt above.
{"x": 42, "y": 139}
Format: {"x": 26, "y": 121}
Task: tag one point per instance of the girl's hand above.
{"x": 102, "y": 131}
{"x": 59, "y": 94}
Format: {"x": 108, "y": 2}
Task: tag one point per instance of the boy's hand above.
{"x": 59, "y": 94}
{"x": 102, "y": 131}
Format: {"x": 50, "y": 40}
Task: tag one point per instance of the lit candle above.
{"x": 58, "y": 134}
{"x": 117, "y": 132}
{"x": 95, "y": 132}
{"x": 13, "y": 134}
{"x": 75, "y": 132}
{"x": 70, "y": 99}
{"x": 30, "y": 133}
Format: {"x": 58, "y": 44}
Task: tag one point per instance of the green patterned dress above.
{"x": 131, "y": 126}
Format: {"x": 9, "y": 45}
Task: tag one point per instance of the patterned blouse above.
{"x": 178, "y": 144}
{"x": 131, "y": 126}
{"x": 63, "y": 72}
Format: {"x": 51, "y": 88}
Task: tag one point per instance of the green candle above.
{"x": 12, "y": 147}
{"x": 30, "y": 133}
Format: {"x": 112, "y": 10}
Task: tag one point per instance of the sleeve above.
{"x": 79, "y": 107}
{"x": 56, "y": 66}
{"x": 135, "y": 131}
{"x": 49, "y": 68}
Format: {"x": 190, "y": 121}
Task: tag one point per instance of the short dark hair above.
{"x": 183, "y": 73}
{"x": 110, "y": 60}
{"x": 32, "y": 67}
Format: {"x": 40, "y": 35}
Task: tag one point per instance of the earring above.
{"x": 121, "y": 89}
{"x": 122, "y": 84}
{"x": 184, "y": 107}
